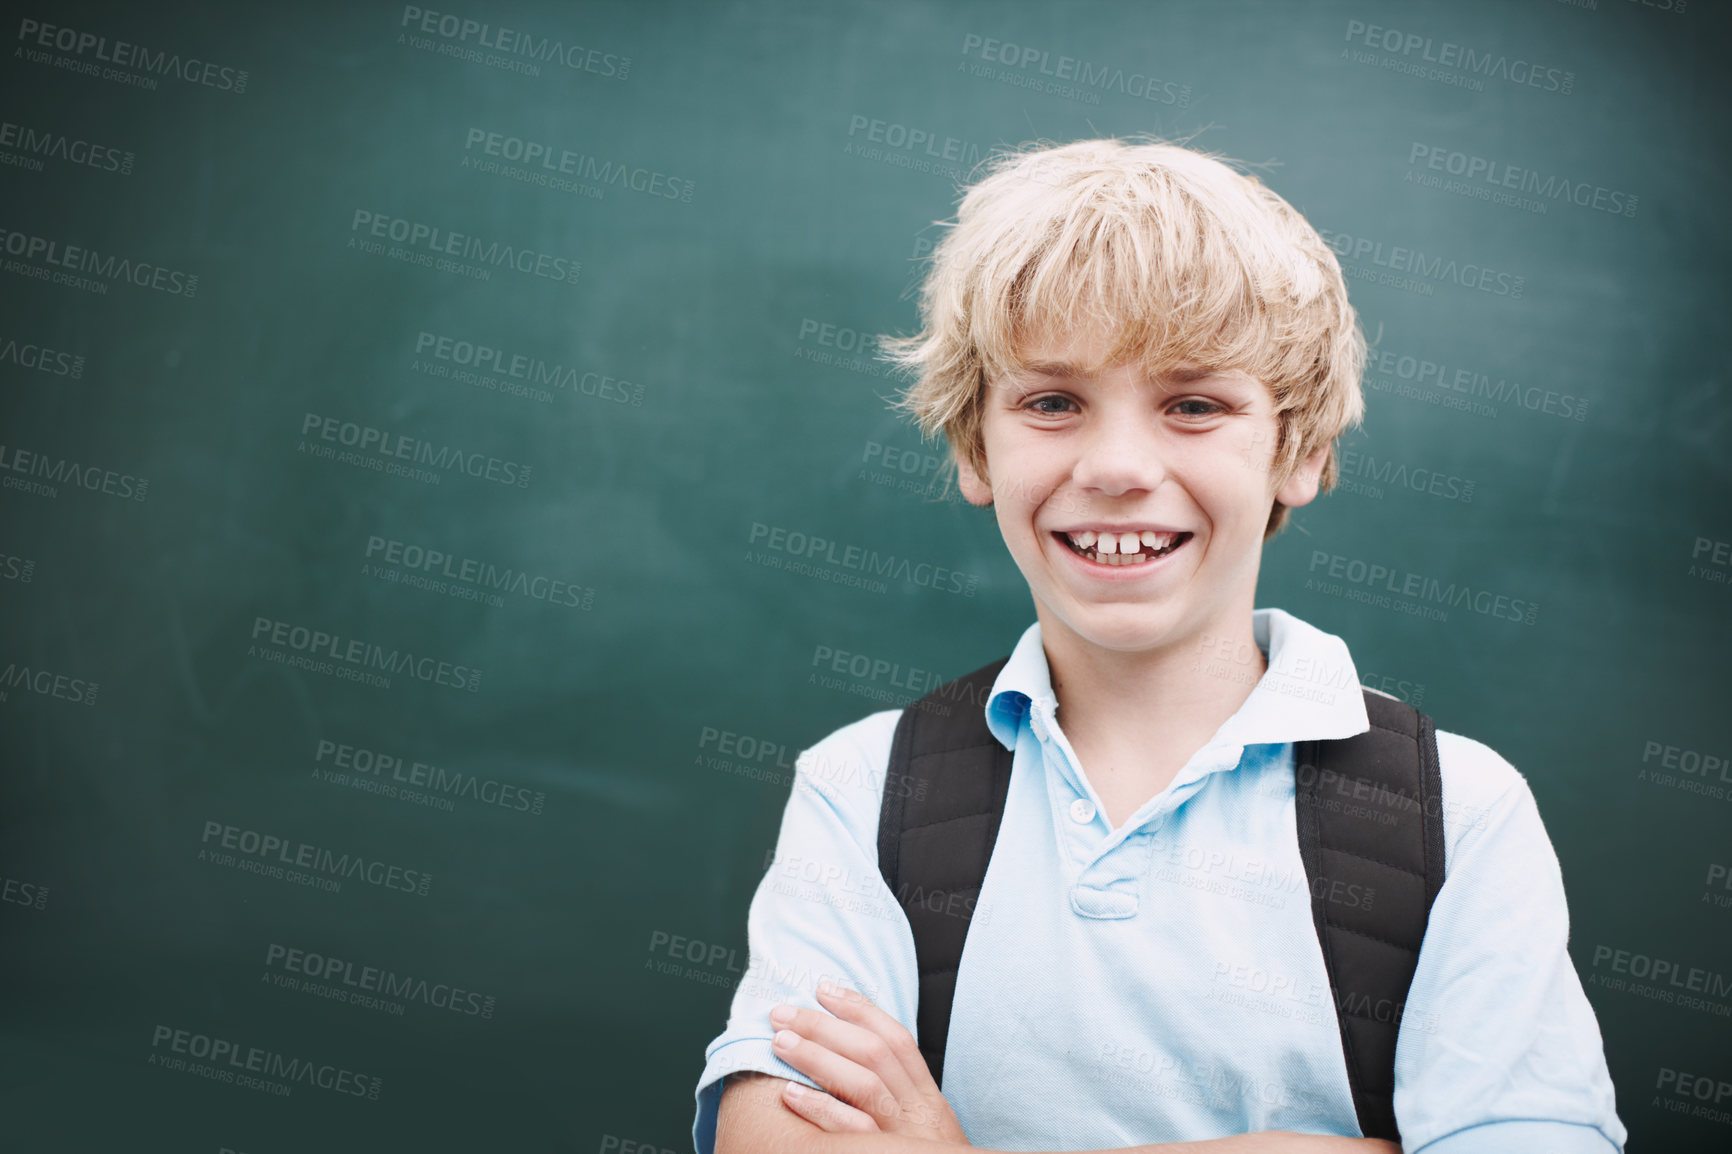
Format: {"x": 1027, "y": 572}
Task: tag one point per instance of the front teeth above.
{"x": 1111, "y": 543}
{"x": 1122, "y": 548}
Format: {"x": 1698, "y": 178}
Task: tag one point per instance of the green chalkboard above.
{"x": 400, "y": 402}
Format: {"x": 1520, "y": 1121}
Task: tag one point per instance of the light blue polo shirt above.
{"x": 1163, "y": 982}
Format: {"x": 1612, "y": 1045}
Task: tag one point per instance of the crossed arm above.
{"x": 879, "y": 1097}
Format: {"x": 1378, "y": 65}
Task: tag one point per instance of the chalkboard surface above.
{"x": 417, "y": 426}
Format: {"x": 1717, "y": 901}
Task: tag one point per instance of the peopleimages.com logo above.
{"x": 225, "y": 1060}
{"x": 268, "y": 854}
{"x": 319, "y": 650}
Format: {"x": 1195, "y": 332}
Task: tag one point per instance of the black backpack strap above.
{"x": 1369, "y": 811}
{"x": 1370, "y": 826}
{"x": 944, "y": 792}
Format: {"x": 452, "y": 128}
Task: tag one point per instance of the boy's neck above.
{"x": 1147, "y": 712}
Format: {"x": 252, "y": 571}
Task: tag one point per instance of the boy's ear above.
{"x": 1301, "y": 487}
{"x": 975, "y": 489}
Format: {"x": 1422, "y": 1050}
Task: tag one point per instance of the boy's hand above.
{"x": 870, "y": 1066}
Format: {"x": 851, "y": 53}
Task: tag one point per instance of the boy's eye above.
{"x": 1197, "y": 407}
{"x": 1039, "y": 403}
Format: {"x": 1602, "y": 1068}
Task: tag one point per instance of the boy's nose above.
{"x": 1118, "y": 457}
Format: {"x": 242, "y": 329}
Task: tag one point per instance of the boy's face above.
{"x": 1185, "y": 458}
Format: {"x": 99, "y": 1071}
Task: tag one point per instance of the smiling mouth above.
{"x": 1118, "y": 549}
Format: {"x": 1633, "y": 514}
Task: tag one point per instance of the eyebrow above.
{"x": 1065, "y": 370}
{"x": 1054, "y": 369}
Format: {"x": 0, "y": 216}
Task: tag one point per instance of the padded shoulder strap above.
{"x": 1370, "y": 826}
{"x": 1369, "y": 811}
{"x": 944, "y": 792}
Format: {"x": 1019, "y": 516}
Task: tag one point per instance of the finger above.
{"x": 861, "y": 1048}
{"x": 859, "y": 1086}
{"x": 923, "y": 1108}
{"x": 825, "y": 1111}
{"x": 844, "y": 1078}
{"x": 852, "y": 1006}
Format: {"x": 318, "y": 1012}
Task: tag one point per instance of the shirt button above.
{"x": 1082, "y": 811}
{"x": 1038, "y": 724}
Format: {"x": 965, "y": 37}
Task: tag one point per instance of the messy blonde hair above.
{"x": 1185, "y": 261}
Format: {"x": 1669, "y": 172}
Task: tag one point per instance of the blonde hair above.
{"x": 1185, "y": 261}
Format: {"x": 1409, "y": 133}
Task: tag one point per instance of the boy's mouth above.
{"x": 1115, "y": 549}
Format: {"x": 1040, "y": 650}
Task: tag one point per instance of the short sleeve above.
{"x": 1499, "y": 1048}
{"x": 821, "y": 912}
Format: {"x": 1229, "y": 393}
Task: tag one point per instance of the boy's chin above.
{"x": 1125, "y": 629}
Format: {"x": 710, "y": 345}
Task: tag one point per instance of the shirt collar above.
{"x": 1310, "y": 692}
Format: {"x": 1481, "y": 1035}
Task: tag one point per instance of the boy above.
{"x": 1141, "y": 360}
